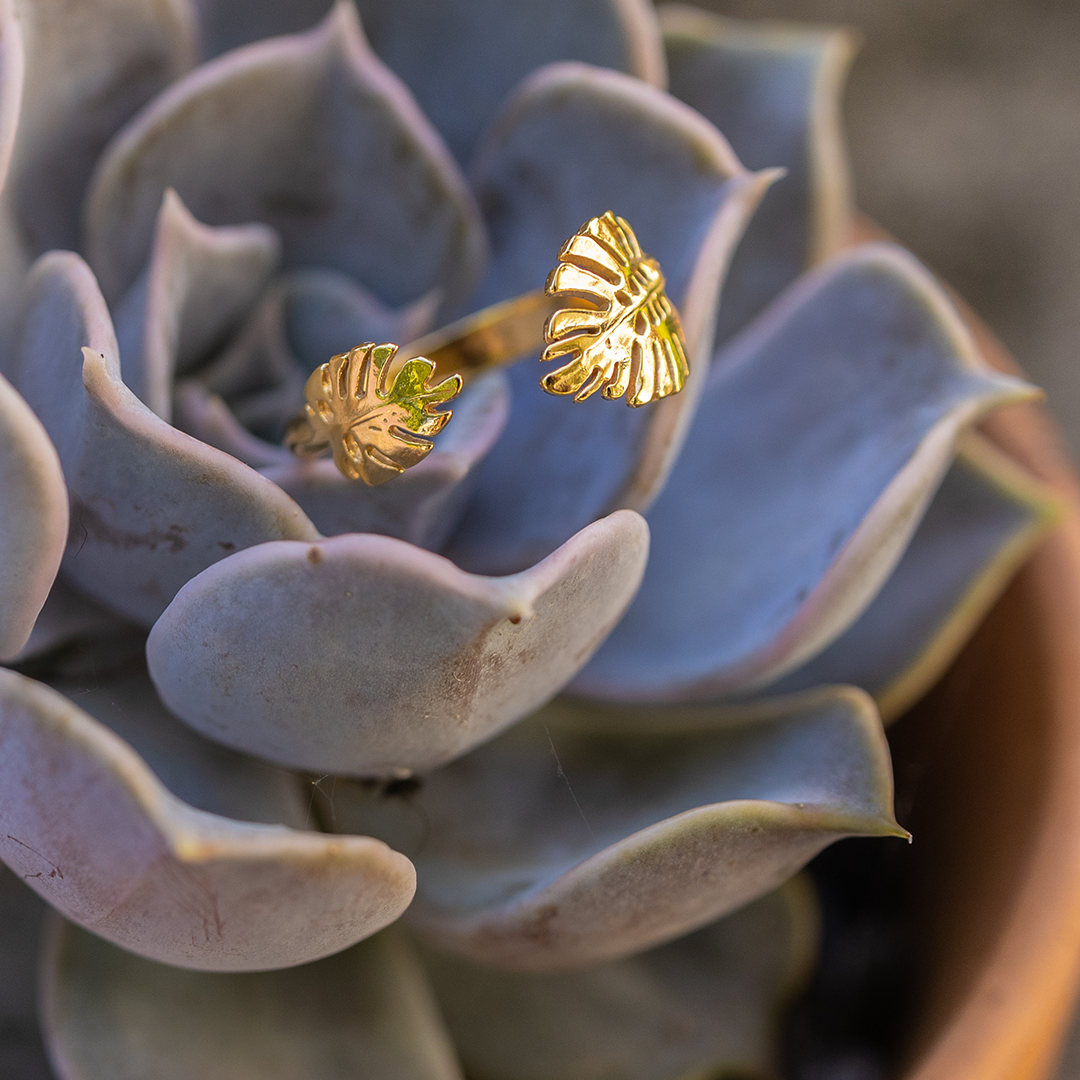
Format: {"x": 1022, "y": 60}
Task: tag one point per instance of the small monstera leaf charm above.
{"x": 377, "y": 421}
{"x": 619, "y": 327}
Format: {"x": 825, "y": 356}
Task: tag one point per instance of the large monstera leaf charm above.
{"x": 618, "y": 325}
{"x": 376, "y": 420}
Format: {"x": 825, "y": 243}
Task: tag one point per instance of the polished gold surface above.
{"x": 603, "y": 311}
{"x": 615, "y": 322}
{"x": 604, "y": 308}
{"x": 375, "y": 416}
{"x": 490, "y": 338}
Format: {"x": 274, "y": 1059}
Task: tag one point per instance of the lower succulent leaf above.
{"x": 93, "y": 831}
{"x": 705, "y": 1005}
{"x": 367, "y": 1012}
{"x": 984, "y": 522}
{"x": 272, "y": 650}
{"x": 552, "y": 847}
{"x": 203, "y": 774}
{"x": 33, "y": 519}
{"x": 822, "y": 434}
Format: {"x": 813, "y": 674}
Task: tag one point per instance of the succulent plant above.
{"x": 577, "y": 696}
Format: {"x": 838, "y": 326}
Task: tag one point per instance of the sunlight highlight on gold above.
{"x": 604, "y": 312}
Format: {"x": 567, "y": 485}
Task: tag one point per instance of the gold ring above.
{"x": 603, "y": 310}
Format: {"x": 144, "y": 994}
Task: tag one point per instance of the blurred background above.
{"x": 964, "y": 124}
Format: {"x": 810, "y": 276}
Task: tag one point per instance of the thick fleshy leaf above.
{"x": 774, "y": 90}
{"x": 365, "y": 1014}
{"x": 67, "y": 616}
{"x": 824, "y": 431}
{"x": 90, "y": 65}
{"x": 92, "y": 830}
{"x": 574, "y": 143}
{"x": 554, "y": 847}
{"x": 201, "y": 773}
{"x": 312, "y": 135}
{"x": 704, "y": 1006}
{"x": 367, "y": 656}
{"x": 472, "y": 53}
{"x": 985, "y": 519}
{"x": 33, "y": 519}
{"x": 151, "y": 507}
{"x": 199, "y": 284}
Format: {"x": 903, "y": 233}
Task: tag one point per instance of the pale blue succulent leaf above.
{"x": 367, "y": 656}
{"x": 311, "y": 135}
{"x": 203, "y": 774}
{"x": 198, "y": 286}
{"x": 472, "y": 53}
{"x": 704, "y": 1005}
{"x": 574, "y": 143}
{"x": 554, "y": 847}
{"x": 367, "y": 1012}
{"x": 34, "y": 519}
{"x": 773, "y": 89}
{"x": 822, "y": 434}
{"x": 976, "y": 532}
{"x": 90, "y": 65}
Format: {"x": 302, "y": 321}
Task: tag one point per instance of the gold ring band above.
{"x": 604, "y": 312}
{"x": 489, "y": 338}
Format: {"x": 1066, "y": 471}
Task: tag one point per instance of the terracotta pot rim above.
{"x": 1012, "y": 1022}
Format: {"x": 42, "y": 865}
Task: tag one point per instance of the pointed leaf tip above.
{"x": 97, "y": 835}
